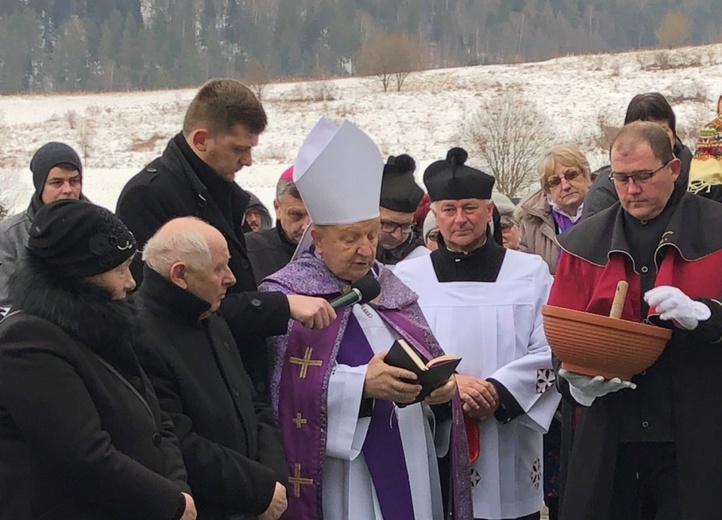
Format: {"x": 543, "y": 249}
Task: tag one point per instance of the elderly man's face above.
{"x": 291, "y": 213}
{"x": 463, "y": 223}
{"x": 646, "y": 199}
{"x": 348, "y": 250}
{"x": 211, "y": 282}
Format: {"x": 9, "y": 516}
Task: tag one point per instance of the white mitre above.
{"x": 338, "y": 173}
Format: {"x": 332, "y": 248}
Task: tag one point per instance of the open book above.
{"x": 432, "y": 373}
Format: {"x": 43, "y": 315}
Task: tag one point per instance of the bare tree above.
{"x": 673, "y": 30}
{"x": 86, "y": 133}
{"x": 510, "y": 134}
{"x": 390, "y": 57}
{"x": 257, "y": 77}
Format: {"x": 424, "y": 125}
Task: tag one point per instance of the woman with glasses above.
{"x": 565, "y": 179}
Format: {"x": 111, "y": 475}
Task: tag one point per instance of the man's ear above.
{"x": 277, "y": 209}
{"x": 316, "y": 235}
{"x": 199, "y": 139}
{"x": 177, "y": 275}
{"x": 675, "y": 166}
{"x": 491, "y": 210}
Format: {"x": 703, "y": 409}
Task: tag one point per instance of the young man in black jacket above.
{"x": 195, "y": 177}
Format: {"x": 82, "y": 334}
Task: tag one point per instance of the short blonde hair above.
{"x": 565, "y": 154}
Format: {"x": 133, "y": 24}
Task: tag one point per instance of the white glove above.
{"x": 586, "y": 389}
{"x": 673, "y": 304}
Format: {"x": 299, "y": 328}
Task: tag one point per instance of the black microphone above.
{"x": 362, "y": 290}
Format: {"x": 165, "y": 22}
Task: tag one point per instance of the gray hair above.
{"x": 287, "y": 187}
{"x": 165, "y": 249}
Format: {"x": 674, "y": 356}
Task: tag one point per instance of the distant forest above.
{"x": 106, "y": 45}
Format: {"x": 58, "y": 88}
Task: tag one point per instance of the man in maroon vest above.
{"x": 648, "y": 448}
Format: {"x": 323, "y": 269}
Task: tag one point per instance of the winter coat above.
{"x": 602, "y": 193}
{"x": 168, "y": 188}
{"x": 81, "y": 434}
{"x": 537, "y": 229}
{"x": 586, "y": 281}
{"x": 14, "y": 232}
{"x": 229, "y": 439}
{"x": 269, "y": 251}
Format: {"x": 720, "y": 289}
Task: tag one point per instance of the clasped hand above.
{"x": 479, "y": 397}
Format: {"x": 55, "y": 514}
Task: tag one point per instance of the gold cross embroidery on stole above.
{"x": 297, "y": 480}
{"x": 305, "y": 362}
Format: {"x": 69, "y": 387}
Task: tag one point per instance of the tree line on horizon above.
{"x": 108, "y": 45}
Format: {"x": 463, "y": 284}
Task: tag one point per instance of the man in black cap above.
{"x": 57, "y": 174}
{"x": 483, "y": 303}
{"x": 400, "y": 195}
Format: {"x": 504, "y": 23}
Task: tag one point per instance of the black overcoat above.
{"x": 81, "y": 434}
{"x": 168, "y": 188}
{"x": 229, "y": 439}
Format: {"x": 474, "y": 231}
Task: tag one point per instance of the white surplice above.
{"x": 497, "y": 329}
{"x": 348, "y": 491}
{"x": 416, "y": 253}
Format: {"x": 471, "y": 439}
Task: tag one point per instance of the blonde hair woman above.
{"x": 565, "y": 178}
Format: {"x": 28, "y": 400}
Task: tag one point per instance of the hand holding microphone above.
{"x": 317, "y": 313}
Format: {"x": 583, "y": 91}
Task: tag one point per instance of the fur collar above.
{"x": 83, "y": 310}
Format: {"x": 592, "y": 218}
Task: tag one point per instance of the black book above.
{"x": 432, "y": 373}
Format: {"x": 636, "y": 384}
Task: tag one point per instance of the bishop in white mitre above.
{"x": 351, "y": 452}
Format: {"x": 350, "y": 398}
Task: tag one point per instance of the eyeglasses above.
{"x": 388, "y": 226}
{"x": 568, "y": 175}
{"x": 433, "y": 236}
{"x": 637, "y": 177}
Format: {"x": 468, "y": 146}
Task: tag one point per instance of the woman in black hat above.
{"x": 81, "y": 433}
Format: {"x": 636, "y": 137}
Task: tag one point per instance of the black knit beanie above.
{"x": 48, "y": 156}
{"x": 74, "y": 238}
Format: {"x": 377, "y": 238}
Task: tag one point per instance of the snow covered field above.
{"x": 120, "y": 132}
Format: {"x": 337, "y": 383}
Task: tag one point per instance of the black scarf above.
{"x": 83, "y": 310}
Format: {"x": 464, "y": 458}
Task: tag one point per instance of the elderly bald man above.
{"x": 229, "y": 439}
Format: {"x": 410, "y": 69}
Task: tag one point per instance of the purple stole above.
{"x": 383, "y": 449}
{"x": 302, "y": 416}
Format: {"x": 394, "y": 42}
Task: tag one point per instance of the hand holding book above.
{"x": 388, "y": 382}
{"x": 430, "y": 373}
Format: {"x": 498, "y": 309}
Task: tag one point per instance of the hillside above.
{"x": 120, "y": 132}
